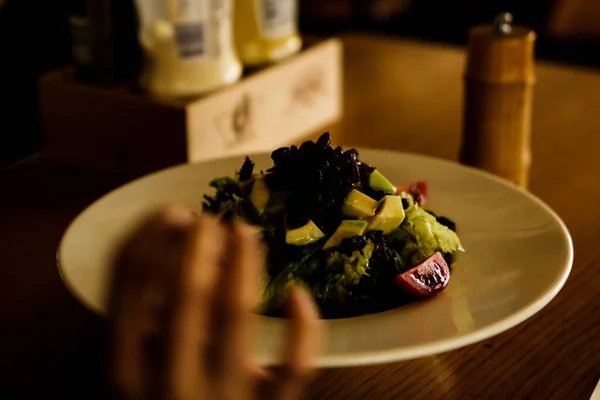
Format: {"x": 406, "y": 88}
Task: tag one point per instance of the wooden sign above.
{"x": 115, "y": 129}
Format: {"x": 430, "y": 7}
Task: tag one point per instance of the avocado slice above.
{"x": 359, "y": 205}
{"x": 277, "y": 201}
{"x": 389, "y": 215}
{"x": 347, "y": 229}
{"x": 259, "y": 196}
{"x": 379, "y": 182}
{"x": 306, "y": 234}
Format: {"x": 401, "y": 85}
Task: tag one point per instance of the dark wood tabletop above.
{"x": 400, "y": 95}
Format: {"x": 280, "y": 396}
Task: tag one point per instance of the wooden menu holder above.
{"x": 117, "y": 130}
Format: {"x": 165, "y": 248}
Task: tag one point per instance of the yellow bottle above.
{"x": 266, "y": 30}
{"x": 188, "y": 46}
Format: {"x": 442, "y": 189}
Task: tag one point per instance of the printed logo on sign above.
{"x": 235, "y": 125}
{"x": 190, "y": 39}
{"x": 241, "y": 118}
{"x": 309, "y": 86}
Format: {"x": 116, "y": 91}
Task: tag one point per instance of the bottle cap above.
{"x": 501, "y": 52}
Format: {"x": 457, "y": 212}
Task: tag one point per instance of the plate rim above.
{"x": 396, "y": 354}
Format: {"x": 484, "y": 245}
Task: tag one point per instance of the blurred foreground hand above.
{"x": 183, "y": 292}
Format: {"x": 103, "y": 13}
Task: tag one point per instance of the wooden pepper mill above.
{"x": 499, "y": 82}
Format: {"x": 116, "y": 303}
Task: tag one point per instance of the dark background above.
{"x": 34, "y": 38}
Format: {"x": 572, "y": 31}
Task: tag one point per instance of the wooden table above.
{"x": 400, "y": 95}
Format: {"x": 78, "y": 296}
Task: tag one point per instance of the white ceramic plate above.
{"x": 518, "y": 256}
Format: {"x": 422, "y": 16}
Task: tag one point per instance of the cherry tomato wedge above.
{"x": 426, "y": 279}
{"x": 418, "y": 190}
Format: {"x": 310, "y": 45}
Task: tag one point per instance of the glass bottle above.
{"x": 266, "y": 31}
{"x": 188, "y": 46}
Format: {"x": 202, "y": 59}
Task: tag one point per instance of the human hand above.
{"x": 184, "y": 288}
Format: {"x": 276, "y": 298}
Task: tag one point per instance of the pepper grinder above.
{"x": 499, "y": 80}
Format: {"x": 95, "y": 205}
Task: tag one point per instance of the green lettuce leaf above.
{"x": 342, "y": 274}
{"x": 220, "y": 184}
{"x": 298, "y": 271}
{"x": 428, "y": 235}
{"x": 227, "y": 200}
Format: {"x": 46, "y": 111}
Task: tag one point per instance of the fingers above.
{"x": 128, "y": 361}
{"x": 303, "y": 345}
{"x": 192, "y": 284}
{"x": 189, "y": 316}
{"x": 238, "y": 295}
{"x": 135, "y": 273}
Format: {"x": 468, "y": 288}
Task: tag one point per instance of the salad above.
{"x": 339, "y": 227}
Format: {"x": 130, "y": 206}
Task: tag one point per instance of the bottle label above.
{"x": 277, "y": 17}
{"x": 81, "y": 41}
{"x": 191, "y": 40}
{"x": 202, "y": 29}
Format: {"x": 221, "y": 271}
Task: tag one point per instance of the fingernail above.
{"x": 301, "y": 301}
{"x": 243, "y": 229}
{"x": 176, "y": 215}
